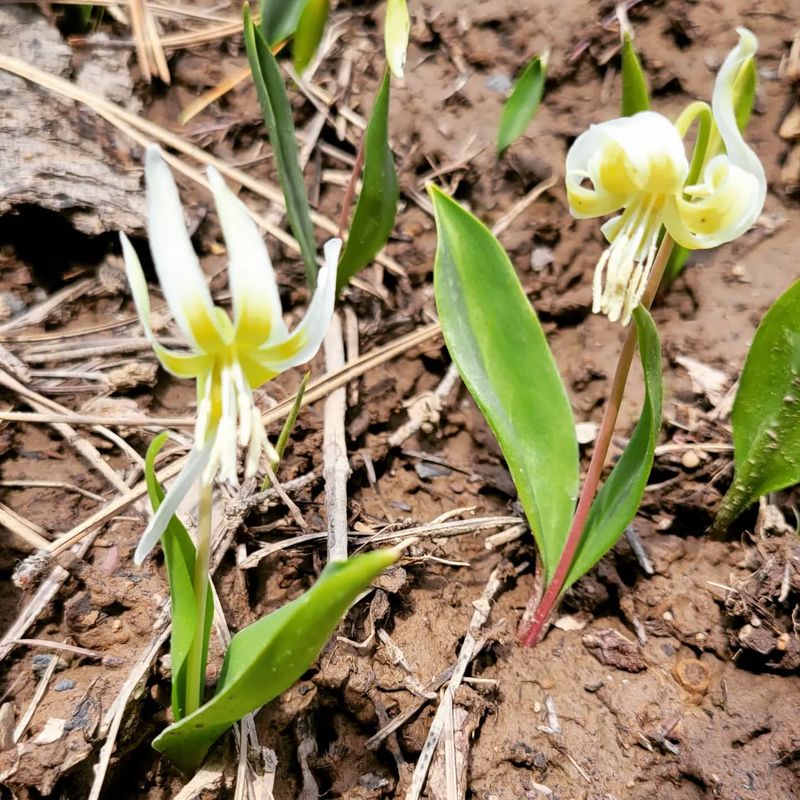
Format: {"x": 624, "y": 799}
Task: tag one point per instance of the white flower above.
{"x": 227, "y": 357}
{"x": 638, "y": 165}
{"x": 396, "y": 30}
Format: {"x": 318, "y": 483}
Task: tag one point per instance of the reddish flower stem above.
{"x": 538, "y": 626}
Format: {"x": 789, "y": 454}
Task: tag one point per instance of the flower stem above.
{"x": 538, "y": 626}
{"x": 196, "y": 661}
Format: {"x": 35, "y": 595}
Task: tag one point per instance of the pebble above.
{"x": 40, "y": 662}
{"x": 499, "y": 83}
{"x": 65, "y": 685}
{"x": 690, "y": 459}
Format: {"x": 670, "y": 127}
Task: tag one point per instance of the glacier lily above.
{"x": 228, "y": 358}
{"x": 638, "y": 165}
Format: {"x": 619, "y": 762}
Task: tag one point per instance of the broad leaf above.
{"x": 308, "y": 35}
{"x": 377, "y": 204}
{"x": 619, "y": 498}
{"x": 635, "y": 93}
{"x": 179, "y": 556}
{"x": 523, "y": 102}
{"x": 278, "y": 118}
{"x": 766, "y": 412}
{"x": 501, "y": 352}
{"x": 267, "y": 657}
{"x": 279, "y": 18}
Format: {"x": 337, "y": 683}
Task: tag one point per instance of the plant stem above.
{"x": 196, "y": 661}
{"x": 553, "y": 592}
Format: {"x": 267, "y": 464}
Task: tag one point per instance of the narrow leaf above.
{"x": 278, "y": 118}
{"x": 267, "y": 657}
{"x": 286, "y": 430}
{"x": 635, "y": 92}
{"x": 619, "y": 498}
{"x": 766, "y": 412}
{"x": 279, "y": 18}
{"x": 377, "y": 204}
{"x": 501, "y": 352}
{"x": 308, "y": 35}
{"x": 523, "y": 102}
{"x": 396, "y": 30}
{"x": 179, "y": 556}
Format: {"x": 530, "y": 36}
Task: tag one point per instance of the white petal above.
{"x": 179, "y": 273}
{"x": 652, "y": 147}
{"x": 586, "y": 202}
{"x": 303, "y": 343}
{"x": 169, "y": 505}
{"x": 254, "y": 290}
{"x": 397, "y": 28}
{"x": 722, "y": 106}
{"x": 182, "y": 365}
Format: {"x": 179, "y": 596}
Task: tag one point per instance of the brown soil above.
{"x": 681, "y": 684}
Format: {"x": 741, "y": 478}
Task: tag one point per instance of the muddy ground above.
{"x": 678, "y": 684}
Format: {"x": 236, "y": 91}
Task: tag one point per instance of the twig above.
{"x": 287, "y": 501}
{"x": 22, "y": 528}
{"x": 639, "y": 550}
{"x": 336, "y": 467}
{"x": 70, "y": 487}
{"x": 443, "y": 530}
{"x": 425, "y": 409}
{"x": 317, "y": 389}
{"x": 479, "y": 617}
{"x": 22, "y": 726}
{"x": 41, "y": 311}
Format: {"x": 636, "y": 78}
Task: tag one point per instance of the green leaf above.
{"x": 278, "y": 118}
{"x": 522, "y": 103}
{"x": 286, "y": 430}
{"x": 267, "y": 657}
{"x": 501, "y": 352}
{"x": 744, "y": 92}
{"x": 766, "y": 412}
{"x": 309, "y": 32}
{"x": 635, "y": 92}
{"x": 279, "y": 18}
{"x": 179, "y": 556}
{"x": 619, "y": 498}
{"x": 377, "y": 204}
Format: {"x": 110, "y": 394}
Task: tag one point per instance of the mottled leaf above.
{"x": 501, "y": 352}
{"x": 277, "y": 114}
{"x": 267, "y": 657}
{"x": 179, "y": 556}
{"x": 308, "y": 35}
{"x": 523, "y": 102}
{"x": 619, "y": 497}
{"x": 377, "y": 203}
{"x": 766, "y": 412}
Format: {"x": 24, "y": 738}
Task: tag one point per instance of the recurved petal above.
{"x": 723, "y": 109}
{"x": 197, "y": 460}
{"x": 593, "y": 200}
{"x": 179, "y": 273}
{"x": 303, "y": 343}
{"x": 254, "y": 290}
{"x": 182, "y": 365}
{"x": 719, "y": 210}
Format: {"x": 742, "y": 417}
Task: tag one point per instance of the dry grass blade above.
{"x": 38, "y": 696}
{"x": 316, "y": 390}
{"x": 138, "y": 127}
{"x": 227, "y": 84}
{"x": 465, "y": 655}
{"x": 31, "y": 534}
{"x": 336, "y": 467}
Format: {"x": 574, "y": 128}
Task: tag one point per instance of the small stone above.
{"x": 690, "y": 459}
{"x": 41, "y": 661}
{"x": 499, "y": 82}
{"x": 612, "y": 649}
{"x": 65, "y": 685}
{"x": 541, "y": 257}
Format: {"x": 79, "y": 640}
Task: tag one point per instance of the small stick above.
{"x": 38, "y": 695}
{"x": 639, "y": 550}
{"x": 336, "y": 467}
{"x": 23, "y": 528}
{"x": 70, "y": 487}
{"x": 482, "y": 610}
